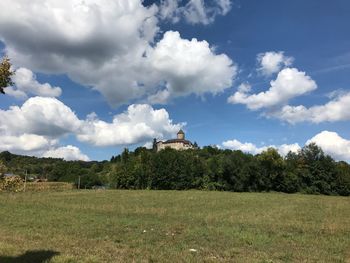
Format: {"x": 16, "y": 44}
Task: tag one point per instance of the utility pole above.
{"x": 25, "y": 181}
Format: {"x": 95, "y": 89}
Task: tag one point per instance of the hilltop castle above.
{"x": 178, "y": 144}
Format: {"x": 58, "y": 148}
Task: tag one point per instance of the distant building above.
{"x": 180, "y": 143}
{"x": 9, "y": 175}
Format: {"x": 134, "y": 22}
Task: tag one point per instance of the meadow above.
{"x": 173, "y": 226}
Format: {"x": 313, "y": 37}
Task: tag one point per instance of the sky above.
{"x": 96, "y": 76}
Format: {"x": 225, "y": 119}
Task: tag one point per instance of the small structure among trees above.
{"x": 180, "y": 143}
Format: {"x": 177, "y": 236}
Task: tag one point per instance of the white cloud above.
{"x": 40, "y": 146}
{"x": 272, "y": 62}
{"x": 191, "y": 66}
{"x": 283, "y": 149}
{"x": 332, "y": 144}
{"x": 16, "y": 93}
{"x": 225, "y": 6}
{"x": 244, "y": 88}
{"x": 169, "y": 10}
{"x": 337, "y": 109}
{"x": 25, "y": 80}
{"x": 68, "y": 153}
{"x": 36, "y": 126}
{"x": 244, "y": 147}
{"x": 40, "y": 116}
{"x": 138, "y": 124}
{"x": 148, "y": 145}
{"x": 161, "y": 97}
{"x": 52, "y": 119}
{"x": 26, "y": 84}
{"x": 289, "y": 84}
{"x": 194, "y": 11}
{"x": 107, "y": 45}
{"x": 23, "y": 143}
{"x": 97, "y": 43}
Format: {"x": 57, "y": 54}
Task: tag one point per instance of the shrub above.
{"x": 11, "y": 184}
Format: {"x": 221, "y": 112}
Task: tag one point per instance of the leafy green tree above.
{"x": 237, "y": 170}
{"x": 271, "y": 169}
{"x": 5, "y": 74}
{"x": 341, "y": 183}
{"x": 3, "y": 169}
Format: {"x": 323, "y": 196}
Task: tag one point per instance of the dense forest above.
{"x": 308, "y": 171}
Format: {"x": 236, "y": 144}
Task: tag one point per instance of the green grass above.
{"x": 162, "y": 226}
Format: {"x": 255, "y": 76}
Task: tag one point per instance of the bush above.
{"x": 11, "y": 184}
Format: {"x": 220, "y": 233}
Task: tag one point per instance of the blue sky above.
{"x": 118, "y": 66}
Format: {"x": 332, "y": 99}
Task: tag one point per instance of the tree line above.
{"x": 309, "y": 171}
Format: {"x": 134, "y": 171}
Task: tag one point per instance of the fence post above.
{"x": 25, "y": 181}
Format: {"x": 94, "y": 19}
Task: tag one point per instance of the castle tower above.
{"x": 181, "y": 135}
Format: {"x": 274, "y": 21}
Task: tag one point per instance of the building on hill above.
{"x": 180, "y": 143}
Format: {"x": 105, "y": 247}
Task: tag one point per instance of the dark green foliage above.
{"x": 308, "y": 171}
{"x": 52, "y": 169}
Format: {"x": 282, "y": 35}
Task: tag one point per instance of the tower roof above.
{"x": 181, "y": 132}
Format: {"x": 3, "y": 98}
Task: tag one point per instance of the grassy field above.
{"x": 171, "y": 226}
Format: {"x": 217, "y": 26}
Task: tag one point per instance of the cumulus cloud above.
{"x": 332, "y": 144}
{"x": 26, "y": 84}
{"x": 139, "y": 123}
{"x": 107, "y": 45}
{"x": 52, "y": 119}
{"x": 40, "y": 116}
{"x": 244, "y": 147}
{"x": 97, "y": 43}
{"x": 148, "y": 145}
{"x": 194, "y": 11}
{"x": 36, "y": 127}
{"x": 244, "y": 88}
{"x": 191, "y": 66}
{"x": 161, "y": 97}
{"x": 283, "y": 149}
{"x": 40, "y": 146}
{"x": 68, "y": 153}
{"x": 337, "y": 109}
{"x": 272, "y": 62}
{"x": 24, "y": 143}
{"x": 290, "y": 83}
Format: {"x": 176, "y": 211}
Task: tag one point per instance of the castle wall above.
{"x": 176, "y": 146}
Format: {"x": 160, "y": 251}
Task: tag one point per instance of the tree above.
{"x": 271, "y": 169}
{"x": 341, "y": 184}
{"x": 5, "y": 74}
{"x": 3, "y": 169}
